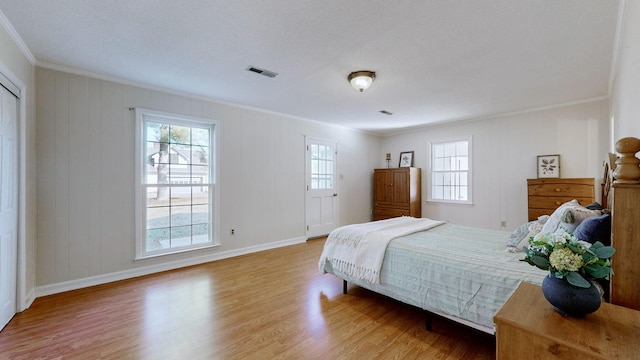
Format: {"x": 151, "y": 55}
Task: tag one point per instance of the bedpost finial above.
{"x": 628, "y": 165}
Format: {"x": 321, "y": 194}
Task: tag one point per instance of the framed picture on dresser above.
{"x": 548, "y": 166}
{"x": 406, "y": 159}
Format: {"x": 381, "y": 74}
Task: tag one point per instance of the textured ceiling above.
{"x": 436, "y": 60}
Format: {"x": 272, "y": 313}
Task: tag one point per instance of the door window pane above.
{"x": 322, "y": 166}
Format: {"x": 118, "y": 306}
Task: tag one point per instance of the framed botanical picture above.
{"x": 406, "y": 159}
{"x": 548, "y": 166}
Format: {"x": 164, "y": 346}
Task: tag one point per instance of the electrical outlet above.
{"x": 233, "y": 231}
{"x": 503, "y": 224}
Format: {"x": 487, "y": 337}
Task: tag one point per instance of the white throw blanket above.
{"x": 358, "y": 250}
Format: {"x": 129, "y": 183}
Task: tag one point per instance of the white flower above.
{"x": 565, "y": 259}
{"x": 584, "y": 244}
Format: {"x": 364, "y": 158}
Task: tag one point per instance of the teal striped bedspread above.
{"x": 452, "y": 270}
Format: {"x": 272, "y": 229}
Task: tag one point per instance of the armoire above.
{"x": 396, "y": 192}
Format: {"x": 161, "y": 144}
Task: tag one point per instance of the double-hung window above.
{"x": 175, "y": 183}
{"x": 451, "y": 171}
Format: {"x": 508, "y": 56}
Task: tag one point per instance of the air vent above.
{"x": 264, "y": 72}
{"x": 386, "y": 112}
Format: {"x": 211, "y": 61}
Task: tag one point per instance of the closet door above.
{"x": 8, "y": 204}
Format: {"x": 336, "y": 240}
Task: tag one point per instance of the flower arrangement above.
{"x": 567, "y": 257}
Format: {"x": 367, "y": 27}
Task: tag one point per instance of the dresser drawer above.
{"x": 545, "y": 195}
{"x": 380, "y": 213}
{"x": 562, "y": 190}
{"x": 536, "y": 213}
{"x": 544, "y": 202}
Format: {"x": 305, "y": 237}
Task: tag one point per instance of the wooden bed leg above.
{"x": 429, "y": 317}
{"x": 344, "y": 287}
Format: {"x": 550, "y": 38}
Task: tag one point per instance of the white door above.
{"x": 322, "y": 192}
{"x": 8, "y": 204}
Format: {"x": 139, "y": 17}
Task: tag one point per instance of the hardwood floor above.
{"x": 268, "y": 305}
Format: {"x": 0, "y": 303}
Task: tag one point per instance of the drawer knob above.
{"x": 557, "y": 189}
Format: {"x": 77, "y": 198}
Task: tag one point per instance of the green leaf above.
{"x": 576, "y": 279}
{"x": 540, "y": 261}
{"x": 597, "y": 271}
{"x": 596, "y": 245}
{"x": 574, "y": 247}
{"x": 604, "y": 252}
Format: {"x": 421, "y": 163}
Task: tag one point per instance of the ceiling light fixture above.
{"x": 361, "y": 80}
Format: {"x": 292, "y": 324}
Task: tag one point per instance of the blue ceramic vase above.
{"x": 571, "y": 300}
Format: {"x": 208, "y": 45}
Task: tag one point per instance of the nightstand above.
{"x": 527, "y": 327}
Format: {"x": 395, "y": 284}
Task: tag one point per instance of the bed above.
{"x": 458, "y": 272}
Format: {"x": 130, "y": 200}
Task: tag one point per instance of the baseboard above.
{"x": 152, "y": 269}
{"x": 26, "y": 302}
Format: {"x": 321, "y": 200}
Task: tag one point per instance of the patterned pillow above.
{"x": 567, "y": 217}
{"x": 520, "y": 237}
{"x": 519, "y": 234}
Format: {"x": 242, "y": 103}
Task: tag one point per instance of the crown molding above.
{"x": 13, "y": 34}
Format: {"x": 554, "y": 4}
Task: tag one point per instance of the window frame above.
{"x": 142, "y": 116}
{"x": 469, "y": 171}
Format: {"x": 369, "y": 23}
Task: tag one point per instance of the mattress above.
{"x": 459, "y": 272}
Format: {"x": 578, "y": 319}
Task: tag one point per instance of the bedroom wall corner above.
{"x": 17, "y": 64}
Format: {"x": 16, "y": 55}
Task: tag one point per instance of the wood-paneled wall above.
{"x": 85, "y": 174}
{"x": 505, "y": 149}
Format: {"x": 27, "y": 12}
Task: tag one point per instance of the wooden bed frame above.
{"x": 624, "y": 201}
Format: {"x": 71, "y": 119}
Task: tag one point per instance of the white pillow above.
{"x": 567, "y": 217}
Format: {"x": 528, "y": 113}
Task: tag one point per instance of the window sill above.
{"x": 175, "y": 251}
{"x": 446, "y": 202}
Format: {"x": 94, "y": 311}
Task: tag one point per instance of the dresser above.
{"x": 545, "y": 195}
{"x": 396, "y": 192}
{"x": 527, "y": 327}
{"x": 625, "y": 238}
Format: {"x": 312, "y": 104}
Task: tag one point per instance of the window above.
{"x": 322, "y": 165}
{"x": 451, "y": 171}
{"x": 175, "y": 183}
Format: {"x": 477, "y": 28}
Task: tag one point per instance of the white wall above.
{"x": 85, "y": 183}
{"x": 16, "y": 66}
{"x": 69, "y": 249}
{"x": 504, "y": 157}
{"x": 625, "y": 98}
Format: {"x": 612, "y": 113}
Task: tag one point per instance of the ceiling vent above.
{"x": 264, "y": 72}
